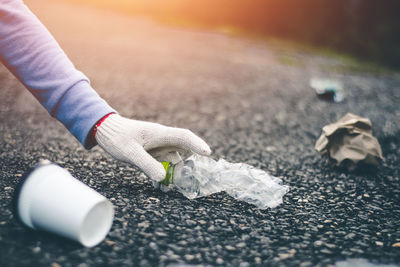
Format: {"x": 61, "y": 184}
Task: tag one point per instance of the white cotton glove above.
{"x": 143, "y": 143}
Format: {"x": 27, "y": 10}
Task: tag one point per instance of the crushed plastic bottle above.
{"x": 200, "y": 176}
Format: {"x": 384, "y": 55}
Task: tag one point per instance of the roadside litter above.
{"x": 327, "y": 89}
{"x": 50, "y": 199}
{"x": 200, "y": 176}
{"x": 359, "y": 262}
{"x": 349, "y": 143}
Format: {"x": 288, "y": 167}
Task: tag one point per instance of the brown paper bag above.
{"x": 349, "y": 143}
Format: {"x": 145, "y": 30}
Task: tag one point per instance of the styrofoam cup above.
{"x": 51, "y": 199}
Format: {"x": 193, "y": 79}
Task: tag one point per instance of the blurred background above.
{"x": 369, "y": 30}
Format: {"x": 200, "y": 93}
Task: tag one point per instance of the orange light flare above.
{"x": 271, "y": 16}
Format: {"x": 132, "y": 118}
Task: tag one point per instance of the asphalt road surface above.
{"x": 251, "y": 101}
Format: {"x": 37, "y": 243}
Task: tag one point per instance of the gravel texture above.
{"x": 251, "y": 101}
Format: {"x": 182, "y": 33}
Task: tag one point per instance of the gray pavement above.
{"x": 250, "y": 100}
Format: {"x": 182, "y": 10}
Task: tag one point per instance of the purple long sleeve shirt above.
{"x": 30, "y": 52}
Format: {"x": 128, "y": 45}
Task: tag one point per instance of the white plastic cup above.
{"x": 51, "y": 199}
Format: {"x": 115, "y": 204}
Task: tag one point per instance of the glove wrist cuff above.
{"x": 110, "y": 128}
{"x": 100, "y": 122}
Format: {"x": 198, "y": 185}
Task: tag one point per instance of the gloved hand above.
{"x": 141, "y": 143}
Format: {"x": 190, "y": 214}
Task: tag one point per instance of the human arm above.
{"x": 35, "y": 58}
{"x": 30, "y": 52}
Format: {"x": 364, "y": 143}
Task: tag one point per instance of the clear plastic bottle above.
{"x": 200, "y": 176}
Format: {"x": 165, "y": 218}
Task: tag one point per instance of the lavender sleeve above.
{"x": 30, "y": 52}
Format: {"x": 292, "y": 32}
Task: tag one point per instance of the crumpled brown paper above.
{"x": 349, "y": 143}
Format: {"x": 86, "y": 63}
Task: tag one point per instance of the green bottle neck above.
{"x": 169, "y": 176}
